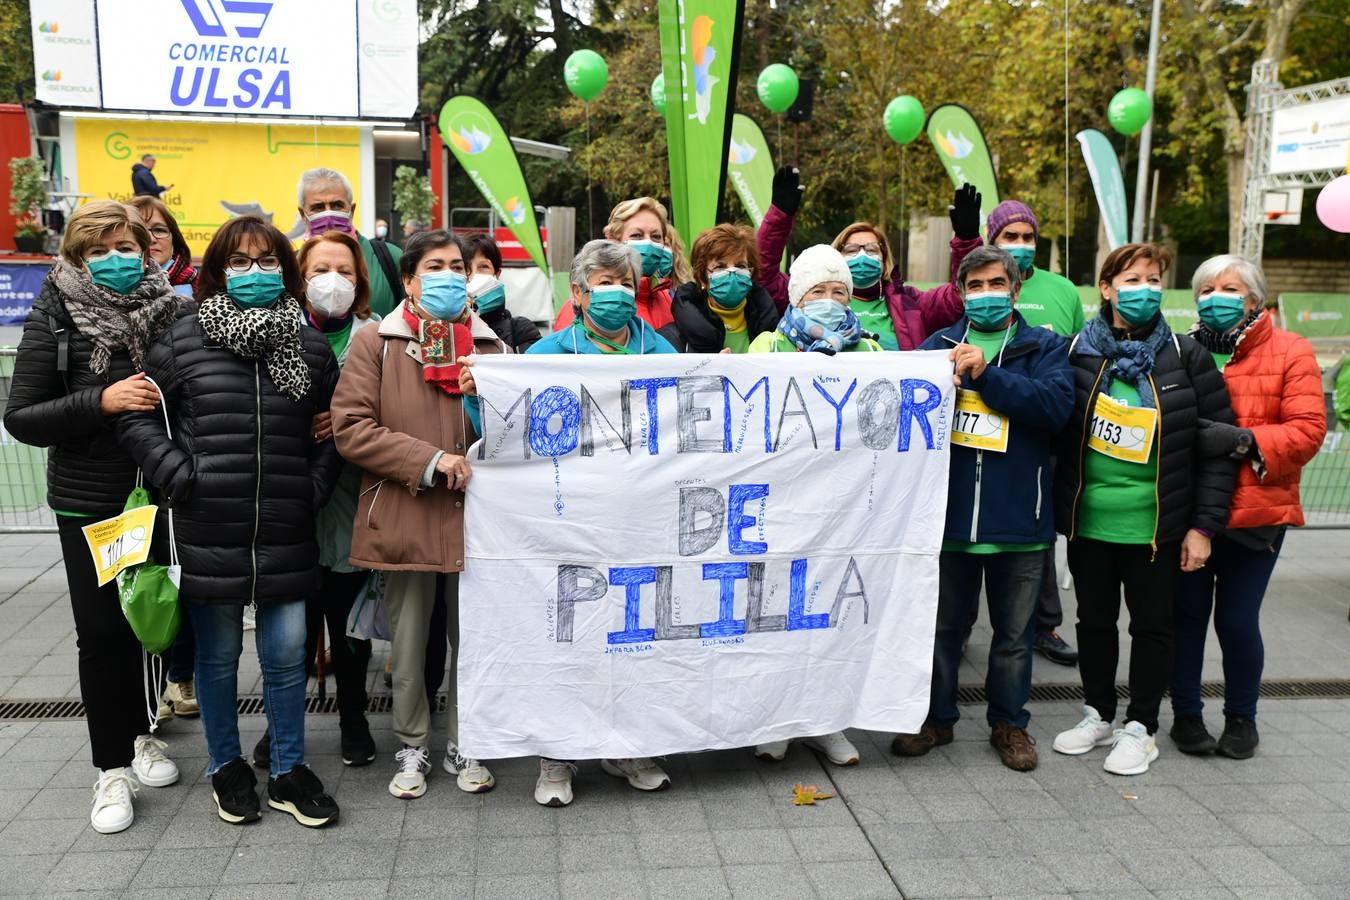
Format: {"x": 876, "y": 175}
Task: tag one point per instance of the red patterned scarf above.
{"x": 442, "y": 343}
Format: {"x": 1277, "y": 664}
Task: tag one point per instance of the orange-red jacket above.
{"x": 1275, "y": 387}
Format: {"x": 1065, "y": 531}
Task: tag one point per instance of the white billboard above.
{"x": 65, "y": 52}
{"x": 1312, "y": 137}
{"x": 331, "y": 58}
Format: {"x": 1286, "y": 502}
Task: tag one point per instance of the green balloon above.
{"x": 586, "y": 74}
{"x": 659, "y": 93}
{"x": 1129, "y": 110}
{"x": 903, "y": 119}
{"x": 777, "y": 87}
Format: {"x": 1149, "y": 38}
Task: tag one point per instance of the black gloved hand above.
{"x": 787, "y": 189}
{"x": 965, "y": 212}
{"x": 1219, "y": 439}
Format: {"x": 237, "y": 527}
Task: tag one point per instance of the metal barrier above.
{"x": 1325, "y": 486}
{"x": 23, "y": 472}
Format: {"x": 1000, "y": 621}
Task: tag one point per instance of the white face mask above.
{"x": 330, "y": 294}
{"x": 480, "y": 284}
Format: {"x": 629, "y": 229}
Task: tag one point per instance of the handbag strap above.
{"x": 168, "y": 429}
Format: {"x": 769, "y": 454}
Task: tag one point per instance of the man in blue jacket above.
{"x": 143, "y": 182}
{"x": 1015, "y": 393}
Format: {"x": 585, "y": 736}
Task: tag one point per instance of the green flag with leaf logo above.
{"x": 960, "y": 144}
{"x": 1107, "y": 183}
{"x": 479, "y": 142}
{"x": 700, "y": 46}
{"x": 750, "y": 167}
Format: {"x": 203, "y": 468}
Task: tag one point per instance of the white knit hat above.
{"x": 817, "y": 265}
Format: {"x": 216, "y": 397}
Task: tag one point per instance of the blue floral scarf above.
{"x": 1130, "y": 361}
{"x": 808, "y": 334}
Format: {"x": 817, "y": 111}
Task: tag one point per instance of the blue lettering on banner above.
{"x": 632, "y": 578}
{"x": 738, "y": 521}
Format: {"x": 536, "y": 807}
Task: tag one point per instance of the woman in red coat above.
{"x": 1275, "y": 387}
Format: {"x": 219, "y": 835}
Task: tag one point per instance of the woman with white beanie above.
{"x": 818, "y": 315}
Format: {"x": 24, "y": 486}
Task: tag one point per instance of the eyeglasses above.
{"x": 238, "y": 262}
{"x": 159, "y": 232}
{"x": 873, "y": 248}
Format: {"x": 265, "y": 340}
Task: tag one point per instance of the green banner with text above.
{"x": 481, "y": 146}
{"x": 961, "y": 147}
{"x": 750, "y": 167}
{"x": 700, "y": 46}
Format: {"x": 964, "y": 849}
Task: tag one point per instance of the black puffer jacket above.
{"x": 1193, "y": 492}
{"x": 242, "y": 471}
{"x": 699, "y": 328}
{"x": 516, "y": 332}
{"x": 88, "y": 472}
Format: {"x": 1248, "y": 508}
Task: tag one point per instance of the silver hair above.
{"x": 312, "y": 178}
{"x": 1248, "y": 271}
{"x": 983, "y": 256}
{"x": 603, "y": 255}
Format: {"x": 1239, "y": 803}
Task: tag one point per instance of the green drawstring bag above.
{"x": 149, "y": 592}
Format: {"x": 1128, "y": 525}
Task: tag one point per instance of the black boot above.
{"x": 1190, "y": 735}
{"x": 1239, "y": 738}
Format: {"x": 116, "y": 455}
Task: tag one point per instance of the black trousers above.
{"x": 337, "y": 592}
{"x": 112, "y": 671}
{"x": 1100, "y": 570}
{"x": 1049, "y": 609}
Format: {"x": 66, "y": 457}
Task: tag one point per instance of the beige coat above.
{"x": 388, "y": 421}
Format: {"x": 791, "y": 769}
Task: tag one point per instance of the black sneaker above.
{"x": 1239, "y": 738}
{"x": 300, "y": 793}
{"x": 234, "y": 790}
{"x": 1190, "y": 735}
{"x": 262, "y": 752}
{"x": 1054, "y": 648}
{"x": 358, "y": 747}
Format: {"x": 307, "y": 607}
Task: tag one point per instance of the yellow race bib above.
{"x": 1122, "y": 432}
{"x": 120, "y": 542}
{"x": 976, "y": 425}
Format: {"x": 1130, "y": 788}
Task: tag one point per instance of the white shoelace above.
{"x": 151, "y": 749}
{"x": 187, "y": 690}
{"x": 412, "y": 759}
{"x": 556, "y": 770}
{"x": 114, "y": 789}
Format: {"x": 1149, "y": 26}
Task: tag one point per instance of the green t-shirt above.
{"x": 986, "y": 549}
{"x": 381, "y": 294}
{"x": 776, "y": 342}
{"x": 736, "y": 341}
{"x": 1221, "y": 359}
{"x": 991, "y": 342}
{"x": 874, "y": 316}
{"x": 1120, "y": 499}
{"x": 1049, "y": 300}
{"x": 338, "y": 340}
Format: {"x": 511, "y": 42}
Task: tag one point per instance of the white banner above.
{"x": 675, "y": 553}
{"x": 1311, "y": 137}
{"x": 388, "y": 58}
{"x": 65, "y": 52}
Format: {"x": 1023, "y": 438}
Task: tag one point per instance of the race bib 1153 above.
{"x": 1122, "y": 432}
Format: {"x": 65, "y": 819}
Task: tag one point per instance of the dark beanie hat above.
{"x": 1008, "y": 212}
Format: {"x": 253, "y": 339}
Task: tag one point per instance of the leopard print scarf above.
{"x": 272, "y": 333}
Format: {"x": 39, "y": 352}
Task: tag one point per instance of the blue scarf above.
{"x": 808, "y": 334}
{"x": 1131, "y": 361}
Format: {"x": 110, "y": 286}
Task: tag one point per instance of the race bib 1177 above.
{"x": 976, "y": 425}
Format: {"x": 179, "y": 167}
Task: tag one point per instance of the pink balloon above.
{"x": 1333, "y": 205}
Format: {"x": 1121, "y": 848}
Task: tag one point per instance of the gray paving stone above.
{"x": 1168, "y": 870}
{"x": 443, "y": 856}
{"x": 518, "y": 820}
{"x": 1266, "y": 829}
{"x": 260, "y": 891}
{"x": 598, "y": 853}
{"x": 894, "y": 808}
{"x": 1082, "y": 872}
{"x": 897, "y": 844}
{"x": 859, "y": 879}
{"x": 513, "y": 887}
{"x": 1314, "y": 865}
{"x": 756, "y": 811}
{"x": 958, "y": 808}
{"x": 363, "y": 889}
{"x": 447, "y": 888}
{"x": 1003, "y": 875}
{"x": 1196, "y": 831}
{"x": 676, "y": 849}
{"x": 59, "y": 803}
{"x": 937, "y": 878}
{"x": 842, "y": 844}
{"x": 26, "y": 876}
{"x": 199, "y": 828}
{"x": 1327, "y": 827}
{"x": 517, "y": 855}
{"x": 34, "y": 773}
{"x": 270, "y": 864}
{"x": 348, "y": 860}
{"x": 701, "y": 882}
{"x": 768, "y": 882}
{"x": 424, "y": 822}
{"x": 666, "y": 813}
{"x": 1236, "y": 867}
{"x": 754, "y": 846}
{"x": 40, "y": 836}
{"x": 182, "y": 867}
{"x": 602, "y": 885}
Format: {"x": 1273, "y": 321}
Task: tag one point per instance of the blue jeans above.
{"x": 1012, "y": 583}
{"x": 280, "y": 639}
{"x": 1232, "y": 584}
{"x": 183, "y": 654}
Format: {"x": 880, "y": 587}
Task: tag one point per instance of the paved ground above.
{"x": 954, "y": 823}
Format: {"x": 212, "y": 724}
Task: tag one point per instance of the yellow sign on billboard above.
{"x": 217, "y": 170}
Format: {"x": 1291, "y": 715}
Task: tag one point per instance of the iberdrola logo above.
{"x": 700, "y": 38}
{"x": 49, "y": 28}
{"x": 741, "y": 153}
{"x": 514, "y": 210}
{"x": 51, "y": 75}
{"x": 468, "y": 135}
{"x": 957, "y": 146}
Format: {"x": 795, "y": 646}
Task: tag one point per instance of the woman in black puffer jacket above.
{"x": 1135, "y": 496}
{"x": 99, "y": 310}
{"x": 243, "y": 382}
{"x": 722, "y": 308}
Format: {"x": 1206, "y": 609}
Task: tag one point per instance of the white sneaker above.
{"x": 474, "y": 777}
{"x": 642, "y": 773}
{"x": 1089, "y": 733}
{"x": 554, "y": 787}
{"x": 837, "y": 748}
{"x": 181, "y": 698}
{"x": 772, "y": 752}
{"x": 250, "y": 617}
{"x": 151, "y": 766}
{"x": 1133, "y": 751}
{"x": 112, "y": 801}
{"x": 410, "y": 781}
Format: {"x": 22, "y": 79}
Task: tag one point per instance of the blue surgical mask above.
{"x": 653, "y": 255}
{"x": 1022, "y": 254}
{"x": 612, "y": 307}
{"x": 119, "y": 271}
{"x": 1139, "y": 305}
{"x": 489, "y": 294}
{"x": 1221, "y": 311}
{"x": 666, "y": 263}
{"x": 865, "y": 269}
{"x": 989, "y": 310}
{"x": 444, "y": 294}
{"x": 255, "y": 288}
{"x": 729, "y": 287}
{"x": 825, "y": 312}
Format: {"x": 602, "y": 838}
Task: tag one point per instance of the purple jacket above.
{"x": 915, "y": 314}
